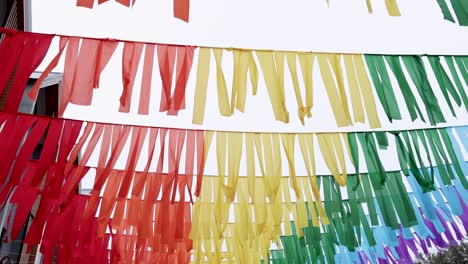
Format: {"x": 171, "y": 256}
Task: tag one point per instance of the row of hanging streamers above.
{"x": 349, "y": 80}
{"x": 150, "y": 208}
{"x": 125, "y": 200}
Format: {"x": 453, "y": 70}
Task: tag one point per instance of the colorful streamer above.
{"x": 181, "y": 7}
{"x": 460, "y": 8}
{"x": 53, "y": 179}
{"x": 20, "y": 53}
{"x": 147, "y": 215}
{"x": 129, "y": 210}
{"x": 86, "y": 58}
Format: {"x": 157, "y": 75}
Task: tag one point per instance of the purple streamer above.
{"x": 458, "y": 234}
{"x": 423, "y": 245}
{"x": 464, "y": 216}
{"x": 447, "y": 232}
{"x": 438, "y": 240}
{"x": 412, "y": 245}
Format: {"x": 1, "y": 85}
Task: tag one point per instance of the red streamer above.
{"x": 85, "y": 60}
{"x": 166, "y": 57}
{"x": 130, "y": 60}
{"x": 20, "y": 54}
{"x": 137, "y": 236}
{"x": 182, "y": 9}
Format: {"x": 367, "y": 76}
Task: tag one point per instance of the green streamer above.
{"x": 383, "y": 86}
{"x": 415, "y": 67}
{"x": 367, "y": 229}
{"x": 408, "y": 96}
{"x": 445, "y": 10}
{"x": 374, "y": 164}
{"x": 415, "y": 134}
{"x": 451, "y": 64}
{"x": 382, "y": 139}
{"x": 352, "y": 142}
{"x": 445, "y": 84}
{"x": 462, "y": 63}
{"x": 348, "y": 221}
{"x": 353, "y": 201}
{"x": 442, "y": 162}
{"x": 407, "y": 160}
{"x": 370, "y": 201}
{"x": 401, "y": 200}
{"x": 461, "y": 11}
{"x": 453, "y": 157}
{"x": 386, "y": 207}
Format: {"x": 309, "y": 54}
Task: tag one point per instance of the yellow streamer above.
{"x": 306, "y": 143}
{"x": 266, "y": 199}
{"x": 272, "y": 64}
{"x": 249, "y": 152}
{"x": 332, "y": 149}
{"x": 306, "y": 61}
{"x": 360, "y": 91}
{"x": 203, "y": 72}
{"x": 223, "y": 99}
{"x": 369, "y": 6}
{"x": 392, "y": 8}
{"x": 335, "y": 88}
{"x": 289, "y": 141}
{"x": 243, "y": 63}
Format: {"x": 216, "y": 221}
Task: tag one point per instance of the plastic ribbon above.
{"x": 360, "y": 91}
{"x": 408, "y": 96}
{"x": 167, "y": 58}
{"x": 383, "y": 86}
{"x": 334, "y": 85}
{"x": 417, "y": 71}
{"x": 182, "y": 9}
{"x": 461, "y": 11}
{"x": 243, "y": 63}
{"x": 320, "y": 244}
{"x": 131, "y": 58}
{"x": 20, "y": 53}
{"x": 83, "y": 64}
{"x": 86, "y": 58}
{"x": 145, "y": 94}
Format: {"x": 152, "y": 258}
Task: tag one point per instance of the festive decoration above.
{"x": 133, "y": 217}
{"x": 146, "y": 215}
{"x": 21, "y": 179}
{"x": 461, "y": 11}
{"x": 135, "y": 206}
{"x": 181, "y": 7}
{"x": 20, "y": 53}
{"x": 86, "y": 58}
{"x": 248, "y": 212}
